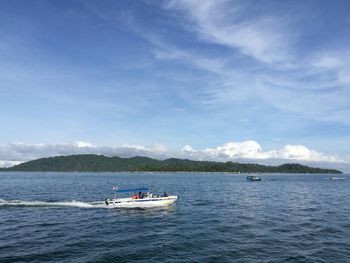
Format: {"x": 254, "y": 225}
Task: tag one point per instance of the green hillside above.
{"x": 101, "y": 163}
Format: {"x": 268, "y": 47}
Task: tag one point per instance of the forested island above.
{"x": 101, "y": 163}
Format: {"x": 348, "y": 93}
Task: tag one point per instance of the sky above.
{"x": 264, "y": 81}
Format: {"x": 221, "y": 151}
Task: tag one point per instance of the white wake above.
{"x": 73, "y": 203}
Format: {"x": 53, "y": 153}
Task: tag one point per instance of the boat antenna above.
{"x": 115, "y": 188}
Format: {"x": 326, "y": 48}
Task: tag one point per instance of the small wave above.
{"x": 72, "y": 203}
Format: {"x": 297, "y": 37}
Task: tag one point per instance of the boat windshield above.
{"x": 132, "y": 190}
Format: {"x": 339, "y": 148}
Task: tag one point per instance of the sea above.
{"x": 219, "y": 217}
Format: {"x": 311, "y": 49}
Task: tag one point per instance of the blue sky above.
{"x": 165, "y": 74}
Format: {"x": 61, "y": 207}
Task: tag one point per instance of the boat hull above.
{"x": 142, "y": 203}
{"x": 253, "y": 179}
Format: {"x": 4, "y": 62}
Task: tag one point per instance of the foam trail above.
{"x": 72, "y": 203}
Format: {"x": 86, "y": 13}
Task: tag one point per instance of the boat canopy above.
{"x": 132, "y": 190}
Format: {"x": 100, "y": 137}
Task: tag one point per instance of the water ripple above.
{"x": 219, "y": 218}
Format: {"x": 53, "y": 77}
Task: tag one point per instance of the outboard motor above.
{"x": 107, "y": 201}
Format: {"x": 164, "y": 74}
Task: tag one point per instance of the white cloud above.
{"x": 156, "y": 148}
{"x": 234, "y": 150}
{"x": 188, "y": 149}
{"x": 262, "y": 38}
{"x": 327, "y": 61}
{"x": 19, "y": 152}
{"x": 336, "y": 62}
{"x": 81, "y": 144}
{"x": 300, "y": 152}
{"x": 344, "y": 77}
{"x": 4, "y": 163}
{"x": 253, "y": 151}
{"x": 15, "y": 153}
{"x": 188, "y": 152}
{"x": 160, "y": 148}
{"x": 168, "y": 52}
{"x": 137, "y": 147}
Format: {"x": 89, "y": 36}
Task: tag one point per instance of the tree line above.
{"x": 101, "y": 163}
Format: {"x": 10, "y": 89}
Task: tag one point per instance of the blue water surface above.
{"x": 53, "y": 217}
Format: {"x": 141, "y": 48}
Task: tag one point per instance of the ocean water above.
{"x": 54, "y": 217}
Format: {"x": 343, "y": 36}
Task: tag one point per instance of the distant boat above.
{"x": 253, "y": 178}
{"x": 142, "y": 198}
{"x": 336, "y": 178}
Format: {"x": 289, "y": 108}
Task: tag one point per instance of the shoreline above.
{"x": 175, "y": 172}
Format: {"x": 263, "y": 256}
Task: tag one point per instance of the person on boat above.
{"x": 165, "y": 194}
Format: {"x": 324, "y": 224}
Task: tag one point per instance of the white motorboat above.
{"x": 253, "y": 178}
{"x": 142, "y": 198}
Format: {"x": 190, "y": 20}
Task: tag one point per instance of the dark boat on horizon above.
{"x": 253, "y": 178}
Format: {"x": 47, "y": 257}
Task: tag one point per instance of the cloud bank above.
{"x": 14, "y": 153}
{"x": 253, "y": 151}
